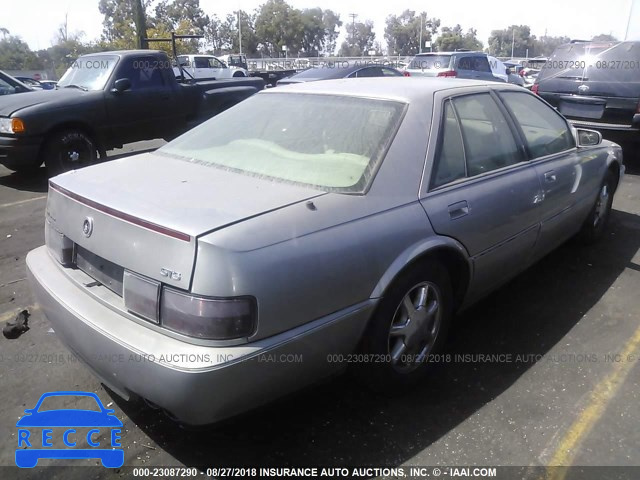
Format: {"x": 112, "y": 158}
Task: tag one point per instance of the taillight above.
{"x": 207, "y": 318}
{"x": 200, "y": 317}
{"x": 534, "y": 88}
{"x": 406, "y": 74}
{"x": 448, "y": 73}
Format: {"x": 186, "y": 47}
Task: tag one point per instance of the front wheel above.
{"x": 69, "y": 150}
{"x": 595, "y": 224}
{"x": 409, "y": 326}
{"x": 238, "y": 74}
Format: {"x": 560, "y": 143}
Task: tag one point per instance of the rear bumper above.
{"x": 16, "y": 152}
{"x": 196, "y": 384}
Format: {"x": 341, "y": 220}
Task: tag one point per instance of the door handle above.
{"x": 459, "y": 209}
{"x": 550, "y": 177}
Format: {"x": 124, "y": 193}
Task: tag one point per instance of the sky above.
{"x": 36, "y": 21}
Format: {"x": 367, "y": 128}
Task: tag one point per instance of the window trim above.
{"x": 521, "y": 134}
{"x": 524, "y": 161}
{"x": 439, "y": 146}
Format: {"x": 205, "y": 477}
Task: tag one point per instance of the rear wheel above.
{"x": 595, "y": 224}
{"x": 69, "y": 150}
{"x": 409, "y": 326}
{"x": 238, "y": 74}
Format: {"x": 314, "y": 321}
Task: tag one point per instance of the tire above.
{"x": 69, "y": 150}
{"x": 238, "y": 74}
{"x": 594, "y": 226}
{"x": 27, "y": 169}
{"x": 399, "y": 352}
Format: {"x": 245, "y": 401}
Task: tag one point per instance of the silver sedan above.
{"x": 311, "y": 228}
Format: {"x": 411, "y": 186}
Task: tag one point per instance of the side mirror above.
{"x": 588, "y": 138}
{"x": 121, "y": 85}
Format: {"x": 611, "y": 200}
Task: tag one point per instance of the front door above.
{"x": 143, "y": 111}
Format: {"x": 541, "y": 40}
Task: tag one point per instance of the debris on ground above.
{"x": 16, "y": 328}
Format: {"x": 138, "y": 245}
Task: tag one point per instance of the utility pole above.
{"x": 140, "y": 21}
{"x": 513, "y": 40}
{"x": 239, "y": 31}
{"x": 421, "y": 28}
{"x": 353, "y": 29}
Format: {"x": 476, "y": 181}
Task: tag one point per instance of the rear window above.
{"x": 330, "y": 142}
{"x": 595, "y": 62}
{"x": 325, "y": 71}
{"x": 430, "y": 62}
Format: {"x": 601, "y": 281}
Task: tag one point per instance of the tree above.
{"x": 402, "y": 32}
{"x": 176, "y": 12}
{"x": 278, "y": 24}
{"x": 360, "y": 39}
{"x": 119, "y": 29}
{"x": 332, "y": 24}
{"x": 546, "y": 45}
{"x": 4, "y": 32}
{"x": 524, "y": 44}
{"x": 184, "y": 17}
{"x": 604, "y": 37}
{"x": 15, "y": 54}
{"x": 451, "y": 39}
{"x": 313, "y": 31}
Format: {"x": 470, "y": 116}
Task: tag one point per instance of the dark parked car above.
{"x": 103, "y": 101}
{"x": 312, "y": 221}
{"x": 333, "y": 71}
{"x": 9, "y": 85}
{"x": 471, "y": 65}
{"x": 595, "y": 85}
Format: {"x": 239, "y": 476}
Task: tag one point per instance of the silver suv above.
{"x": 471, "y": 65}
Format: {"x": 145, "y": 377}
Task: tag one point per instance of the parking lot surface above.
{"x": 544, "y": 371}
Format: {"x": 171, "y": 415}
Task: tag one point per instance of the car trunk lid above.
{"x": 595, "y": 81}
{"x": 145, "y": 213}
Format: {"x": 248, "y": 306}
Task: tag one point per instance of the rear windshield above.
{"x": 333, "y": 143}
{"x": 324, "y": 71}
{"x": 429, "y": 62}
{"x": 594, "y": 62}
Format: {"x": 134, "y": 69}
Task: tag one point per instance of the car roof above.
{"x": 124, "y": 53}
{"x": 403, "y": 89}
{"x": 459, "y": 52}
{"x": 336, "y": 71}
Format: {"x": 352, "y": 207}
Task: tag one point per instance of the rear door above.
{"x": 481, "y": 190}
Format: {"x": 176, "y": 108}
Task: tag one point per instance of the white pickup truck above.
{"x": 207, "y": 66}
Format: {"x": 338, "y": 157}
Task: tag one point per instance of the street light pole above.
{"x": 513, "y": 40}
{"x": 626, "y": 34}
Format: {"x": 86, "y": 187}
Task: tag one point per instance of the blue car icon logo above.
{"x": 39, "y": 429}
